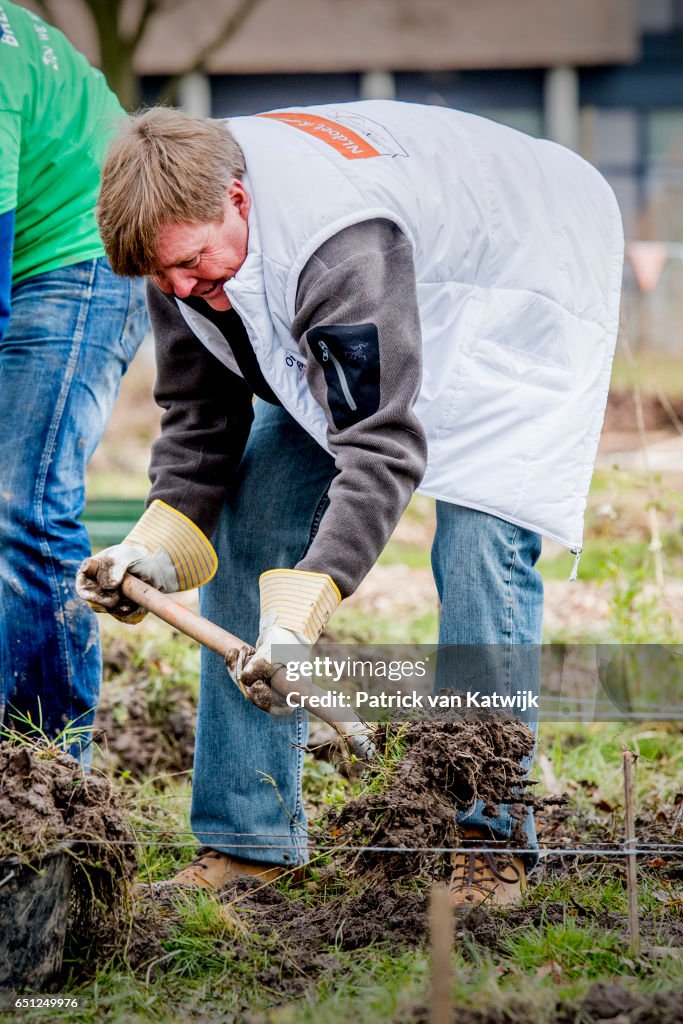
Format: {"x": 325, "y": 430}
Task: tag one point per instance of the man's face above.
{"x": 197, "y": 259}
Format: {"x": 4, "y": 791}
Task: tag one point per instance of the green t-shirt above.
{"x": 56, "y": 117}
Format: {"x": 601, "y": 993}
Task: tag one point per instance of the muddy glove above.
{"x": 164, "y": 548}
{"x": 295, "y": 608}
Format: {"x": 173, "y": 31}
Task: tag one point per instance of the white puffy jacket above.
{"x": 518, "y": 250}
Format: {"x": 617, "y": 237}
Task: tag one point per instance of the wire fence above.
{"x": 623, "y": 849}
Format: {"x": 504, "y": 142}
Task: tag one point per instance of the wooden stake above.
{"x": 441, "y": 930}
{"x": 630, "y": 844}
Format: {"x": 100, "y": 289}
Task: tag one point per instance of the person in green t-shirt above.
{"x": 68, "y": 330}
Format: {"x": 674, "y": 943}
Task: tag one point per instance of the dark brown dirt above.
{"x": 144, "y": 725}
{"x": 369, "y": 899}
{"x": 298, "y": 931}
{"x": 142, "y": 732}
{"x": 608, "y": 1002}
{"x": 137, "y": 736}
{"x": 363, "y": 898}
{"x": 47, "y": 800}
{"x": 409, "y": 803}
{"x": 347, "y": 922}
{"x": 620, "y": 415}
{"x": 155, "y": 921}
{"x": 605, "y": 1003}
{"x": 491, "y": 928}
{"x": 566, "y": 826}
{"x": 303, "y": 938}
{"x": 514, "y": 1013}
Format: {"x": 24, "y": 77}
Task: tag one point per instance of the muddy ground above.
{"x": 605, "y": 1003}
{"x": 303, "y": 939}
{"x": 142, "y": 728}
{"x": 361, "y": 899}
{"x": 48, "y": 802}
{"x": 422, "y": 770}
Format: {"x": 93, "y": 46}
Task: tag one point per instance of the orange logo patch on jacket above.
{"x": 345, "y": 141}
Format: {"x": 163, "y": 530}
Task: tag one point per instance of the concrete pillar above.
{"x": 377, "y": 85}
{"x": 194, "y": 94}
{"x": 561, "y": 106}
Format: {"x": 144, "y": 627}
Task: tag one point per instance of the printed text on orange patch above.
{"x": 346, "y": 142}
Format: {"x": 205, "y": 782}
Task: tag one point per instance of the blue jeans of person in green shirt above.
{"x": 70, "y": 336}
{"x": 246, "y": 796}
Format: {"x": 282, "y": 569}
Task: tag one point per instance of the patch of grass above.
{"x": 323, "y": 786}
{"x": 653, "y": 370}
{"x": 386, "y": 760}
{"x": 205, "y": 937}
{"x": 579, "y": 952}
{"x": 587, "y": 757}
{"x": 376, "y": 984}
{"x": 397, "y": 552}
{"x": 24, "y": 731}
{"x": 167, "y": 661}
{"x": 160, "y": 816}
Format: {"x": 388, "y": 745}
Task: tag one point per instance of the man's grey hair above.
{"x": 165, "y": 167}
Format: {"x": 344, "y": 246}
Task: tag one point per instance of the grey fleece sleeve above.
{"x": 358, "y": 326}
{"x": 206, "y": 421}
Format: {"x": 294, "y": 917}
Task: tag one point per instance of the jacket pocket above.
{"x": 349, "y": 356}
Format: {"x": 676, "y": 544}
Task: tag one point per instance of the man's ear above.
{"x": 239, "y": 198}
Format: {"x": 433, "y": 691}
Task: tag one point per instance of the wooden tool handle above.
{"x": 222, "y": 642}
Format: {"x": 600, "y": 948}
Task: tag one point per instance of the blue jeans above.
{"x": 71, "y": 335}
{"x": 246, "y": 798}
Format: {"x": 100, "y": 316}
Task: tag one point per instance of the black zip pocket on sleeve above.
{"x": 349, "y": 356}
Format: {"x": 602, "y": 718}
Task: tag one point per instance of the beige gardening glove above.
{"x": 295, "y": 608}
{"x": 164, "y": 548}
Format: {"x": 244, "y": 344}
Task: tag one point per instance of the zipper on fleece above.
{"x": 575, "y": 568}
{"x": 344, "y": 384}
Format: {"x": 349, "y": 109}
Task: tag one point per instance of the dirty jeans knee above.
{"x": 491, "y": 627}
{"x": 71, "y": 334}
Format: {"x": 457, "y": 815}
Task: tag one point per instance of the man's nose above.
{"x": 182, "y": 281}
{"x": 177, "y": 281}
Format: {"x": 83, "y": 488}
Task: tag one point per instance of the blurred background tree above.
{"x": 120, "y": 27}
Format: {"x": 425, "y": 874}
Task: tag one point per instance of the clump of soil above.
{"x": 411, "y": 800}
{"x": 47, "y": 800}
{"x": 156, "y": 920}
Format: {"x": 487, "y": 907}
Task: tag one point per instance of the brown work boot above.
{"x": 479, "y": 877}
{"x": 212, "y": 870}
